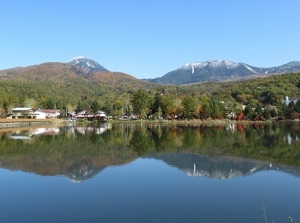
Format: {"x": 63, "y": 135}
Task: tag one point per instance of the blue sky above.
{"x": 148, "y": 38}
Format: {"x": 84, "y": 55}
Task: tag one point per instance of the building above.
{"x": 20, "y": 112}
{"x": 51, "y": 113}
{"x": 36, "y": 115}
{"x": 26, "y": 113}
{"x": 287, "y": 101}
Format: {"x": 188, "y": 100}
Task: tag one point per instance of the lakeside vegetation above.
{"x": 122, "y": 95}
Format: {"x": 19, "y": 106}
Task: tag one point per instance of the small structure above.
{"x": 36, "y": 115}
{"x": 287, "y": 101}
{"x": 51, "y": 113}
{"x": 20, "y": 112}
{"x": 27, "y": 113}
{"x": 84, "y": 115}
{"x": 100, "y": 116}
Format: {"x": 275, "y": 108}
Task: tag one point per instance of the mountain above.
{"x": 45, "y": 71}
{"x": 221, "y": 70}
{"x": 88, "y": 64}
{"x": 59, "y": 72}
{"x": 62, "y": 82}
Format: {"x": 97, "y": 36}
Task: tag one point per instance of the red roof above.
{"x": 50, "y": 111}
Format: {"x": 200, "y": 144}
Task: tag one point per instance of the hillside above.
{"x": 74, "y": 88}
{"x": 46, "y": 71}
{"x": 61, "y": 84}
{"x": 65, "y": 72}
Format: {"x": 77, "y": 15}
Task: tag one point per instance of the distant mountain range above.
{"x": 209, "y": 71}
{"x": 221, "y": 70}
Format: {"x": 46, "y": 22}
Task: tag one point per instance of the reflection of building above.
{"x": 291, "y": 138}
{"x": 44, "y": 131}
{"x": 33, "y": 132}
{"x": 93, "y": 129}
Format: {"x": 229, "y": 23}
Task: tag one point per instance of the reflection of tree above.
{"x": 71, "y": 150}
{"x": 141, "y": 141}
{"x": 190, "y": 138}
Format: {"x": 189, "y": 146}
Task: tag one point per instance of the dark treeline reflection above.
{"x": 80, "y": 152}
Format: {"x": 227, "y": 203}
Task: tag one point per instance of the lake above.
{"x": 133, "y": 172}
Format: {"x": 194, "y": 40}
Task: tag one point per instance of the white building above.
{"x": 287, "y": 101}
{"x": 27, "y": 113}
{"x": 51, "y": 113}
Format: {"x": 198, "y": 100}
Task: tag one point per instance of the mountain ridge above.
{"x": 189, "y": 73}
{"x": 221, "y": 70}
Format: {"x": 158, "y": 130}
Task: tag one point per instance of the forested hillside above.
{"x": 70, "y": 88}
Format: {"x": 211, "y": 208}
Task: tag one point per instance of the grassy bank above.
{"x": 16, "y": 123}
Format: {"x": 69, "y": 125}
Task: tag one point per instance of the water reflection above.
{"x": 221, "y": 167}
{"x": 220, "y": 152}
{"x": 99, "y": 129}
{"x": 33, "y": 132}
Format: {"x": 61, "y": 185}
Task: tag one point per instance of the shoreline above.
{"x": 28, "y": 123}
{"x": 19, "y": 123}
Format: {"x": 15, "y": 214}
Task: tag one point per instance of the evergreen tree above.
{"x": 95, "y": 106}
{"x": 140, "y": 102}
{"x": 189, "y": 106}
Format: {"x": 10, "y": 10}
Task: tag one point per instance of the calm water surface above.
{"x": 151, "y": 173}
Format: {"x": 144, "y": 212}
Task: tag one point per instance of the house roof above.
{"x": 297, "y": 97}
{"x": 51, "y": 111}
{"x": 21, "y": 109}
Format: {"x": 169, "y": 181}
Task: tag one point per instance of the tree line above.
{"x": 257, "y": 99}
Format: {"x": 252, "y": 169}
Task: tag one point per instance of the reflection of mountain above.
{"x": 75, "y": 170}
{"x": 222, "y": 167}
{"x": 83, "y": 173}
{"x": 80, "y": 152}
{"x": 77, "y": 152}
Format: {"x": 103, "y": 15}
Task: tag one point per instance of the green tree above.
{"x": 30, "y": 102}
{"x": 79, "y": 106}
{"x": 273, "y": 113}
{"x": 189, "y": 107}
{"x": 95, "y": 106}
{"x": 249, "y": 112}
{"x": 217, "y": 108}
{"x": 258, "y": 110}
{"x": 117, "y": 109}
{"x": 205, "y": 109}
{"x": 157, "y": 103}
{"x": 267, "y": 114}
{"x": 297, "y": 106}
{"x": 48, "y": 104}
{"x": 167, "y": 104}
{"x": 140, "y": 102}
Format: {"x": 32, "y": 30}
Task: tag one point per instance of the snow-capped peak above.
{"x": 76, "y": 58}
{"x": 86, "y": 63}
{"x": 211, "y": 63}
